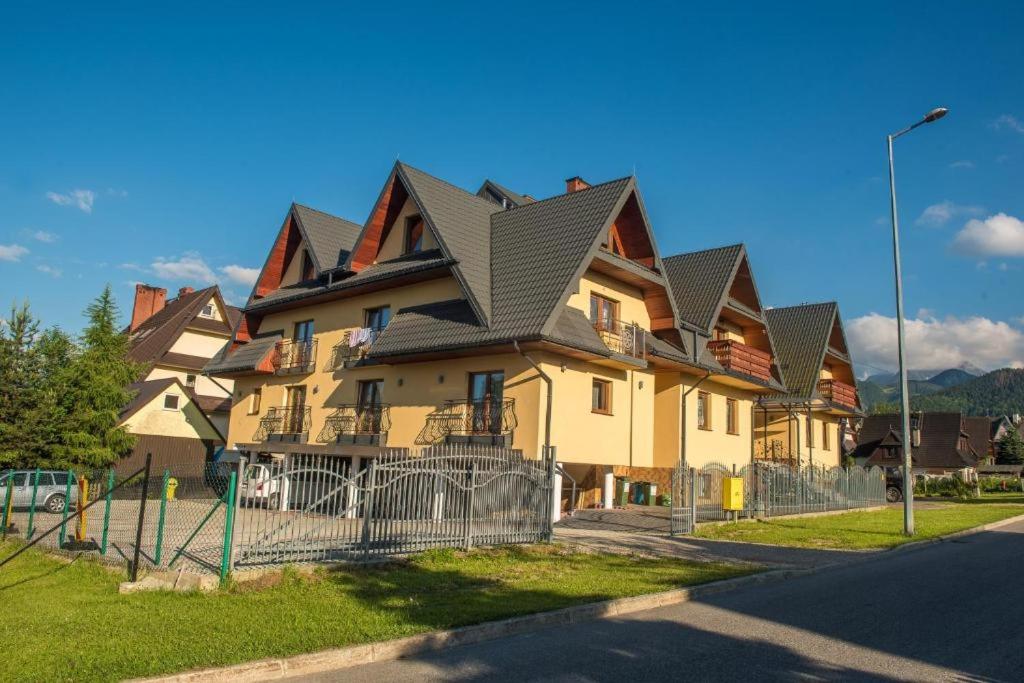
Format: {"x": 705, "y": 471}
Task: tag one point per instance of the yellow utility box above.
{"x": 732, "y": 493}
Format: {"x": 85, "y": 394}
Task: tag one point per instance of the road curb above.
{"x": 434, "y": 641}
{"x": 915, "y": 545}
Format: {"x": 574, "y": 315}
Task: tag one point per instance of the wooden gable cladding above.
{"x": 743, "y": 289}
{"x": 288, "y": 241}
{"x": 390, "y": 203}
{"x": 628, "y": 235}
{"x": 248, "y": 324}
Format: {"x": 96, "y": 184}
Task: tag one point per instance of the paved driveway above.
{"x": 949, "y": 611}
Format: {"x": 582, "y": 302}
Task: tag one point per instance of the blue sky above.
{"x": 166, "y": 145}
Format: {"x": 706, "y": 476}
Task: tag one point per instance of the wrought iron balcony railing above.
{"x": 295, "y": 356}
{"x": 291, "y": 422}
{"x": 838, "y": 392}
{"x": 732, "y": 355}
{"x": 624, "y": 338}
{"x": 357, "y": 423}
{"x": 354, "y": 347}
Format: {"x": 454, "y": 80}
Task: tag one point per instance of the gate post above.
{"x": 693, "y": 499}
{"x": 469, "y": 507}
{"x": 106, "y": 511}
{"x": 142, "y": 518}
{"x": 32, "y": 506}
{"x": 371, "y": 473}
{"x": 160, "y": 520}
{"x": 555, "y": 496}
{"x": 229, "y": 527}
{"x": 67, "y": 506}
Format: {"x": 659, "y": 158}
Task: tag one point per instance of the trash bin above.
{"x": 641, "y": 492}
{"x": 172, "y": 486}
{"x": 622, "y": 491}
{"x": 652, "y": 494}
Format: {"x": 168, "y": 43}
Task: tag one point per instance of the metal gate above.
{"x": 313, "y": 508}
{"x": 683, "y": 499}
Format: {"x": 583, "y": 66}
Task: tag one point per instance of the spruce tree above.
{"x": 19, "y": 376}
{"x": 1010, "y": 449}
{"x": 94, "y": 386}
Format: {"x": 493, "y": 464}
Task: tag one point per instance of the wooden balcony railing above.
{"x": 294, "y": 356}
{"x": 291, "y": 422}
{"x": 625, "y": 338}
{"x": 732, "y": 355}
{"x": 357, "y": 423}
{"x": 838, "y": 392}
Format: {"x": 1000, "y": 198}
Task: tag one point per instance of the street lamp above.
{"x": 905, "y": 434}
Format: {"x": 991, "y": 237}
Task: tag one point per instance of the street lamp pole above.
{"x": 905, "y": 434}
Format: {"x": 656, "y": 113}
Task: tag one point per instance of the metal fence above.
{"x": 771, "y": 490}
{"x": 315, "y": 508}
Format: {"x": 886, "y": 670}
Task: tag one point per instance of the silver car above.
{"x": 49, "y": 494}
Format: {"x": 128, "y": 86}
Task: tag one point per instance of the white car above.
{"x": 261, "y": 487}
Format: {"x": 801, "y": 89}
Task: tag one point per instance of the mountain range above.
{"x": 1000, "y": 392}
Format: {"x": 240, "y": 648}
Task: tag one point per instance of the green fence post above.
{"x": 229, "y": 519}
{"x": 160, "y": 521}
{"x": 67, "y": 506}
{"x": 8, "y": 500}
{"x": 106, "y": 510}
{"x": 32, "y": 505}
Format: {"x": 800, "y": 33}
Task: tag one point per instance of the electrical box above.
{"x": 732, "y": 493}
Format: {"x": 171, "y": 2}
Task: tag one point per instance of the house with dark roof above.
{"x": 454, "y": 317}
{"x": 176, "y": 338}
{"x": 940, "y": 443}
{"x": 806, "y": 424}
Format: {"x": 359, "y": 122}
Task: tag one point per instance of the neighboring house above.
{"x": 444, "y": 317}
{"x": 985, "y": 434}
{"x": 169, "y": 424}
{"x": 808, "y": 423}
{"x": 941, "y": 444}
{"x": 177, "y": 338}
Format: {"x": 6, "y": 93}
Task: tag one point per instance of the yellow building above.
{"x": 806, "y": 424}
{"x": 491, "y": 318}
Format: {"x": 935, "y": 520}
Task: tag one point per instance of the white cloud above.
{"x": 998, "y": 235}
{"x": 190, "y": 267}
{"x": 962, "y": 163}
{"x": 49, "y": 270}
{"x": 12, "y": 252}
{"x": 43, "y": 236}
{"x": 241, "y": 274}
{"x": 936, "y": 343}
{"x": 83, "y": 199}
{"x": 937, "y": 215}
{"x": 117, "y": 192}
{"x": 1009, "y": 122}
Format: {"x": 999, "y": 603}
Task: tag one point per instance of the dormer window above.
{"x": 207, "y": 311}
{"x": 413, "y": 234}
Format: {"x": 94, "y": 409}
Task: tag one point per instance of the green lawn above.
{"x": 67, "y": 622}
{"x": 866, "y": 530}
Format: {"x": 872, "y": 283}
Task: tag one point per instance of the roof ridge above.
{"x": 741, "y": 245}
{"x": 449, "y": 184}
{"x": 806, "y": 305}
{"x": 538, "y": 202}
{"x": 325, "y": 213}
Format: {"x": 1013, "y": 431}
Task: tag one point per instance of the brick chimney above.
{"x": 185, "y": 291}
{"x": 148, "y": 301}
{"x": 575, "y": 184}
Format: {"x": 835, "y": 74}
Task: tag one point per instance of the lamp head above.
{"x": 935, "y": 114}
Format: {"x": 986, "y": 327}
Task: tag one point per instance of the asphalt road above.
{"x": 950, "y": 611}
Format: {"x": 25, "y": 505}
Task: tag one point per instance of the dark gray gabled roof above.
{"x": 800, "y": 334}
{"x": 330, "y": 238}
{"x": 939, "y": 446}
{"x": 700, "y": 282}
{"x": 513, "y": 199}
{"x": 245, "y": 358}
{"x": 461, "y": 222}
{"x": 538, "y": 250}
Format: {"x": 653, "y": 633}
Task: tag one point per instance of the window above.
{"x": 486, "y": 391}
{"x": 601, "y": 397}
{"x": 60, "y": 478}
{"x": 603, "y": 311}
{"x": 303, "y": 331}
{"x": 254, "y": 400}
{"x": 377, "y": 318}
{"x": 809, "y": 422}
{"x": 368, "y": 410}
{"x": 370, "y": 391}
{"x": 308, "y": 272}
{"x": 190, "y": 381}
{"x": 824, "y": 436}
{"x": 413, "y": 234}
{"x": 703, "y": 410}
{"x": 207, "y": 311}
{"x": 732, "y": 416}
{"x": 170, "y": 402}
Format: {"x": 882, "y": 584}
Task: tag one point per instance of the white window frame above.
{"x": 177, "y": 402}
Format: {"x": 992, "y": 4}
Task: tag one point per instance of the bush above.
{"x": 947, "y": 487}
{"x": 997, "y": 484}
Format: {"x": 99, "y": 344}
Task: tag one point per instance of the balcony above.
{"x": 487, "y": 422}
{"x": 623, "y": 338}
{"x": 294, "y": 356}
{"x": 289, "y": 424}
{"x": 354, "y": 347}
{"x": 737, "y": 357}
{"x": 838, "y": 392}
{"x": 364, "y": 425}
